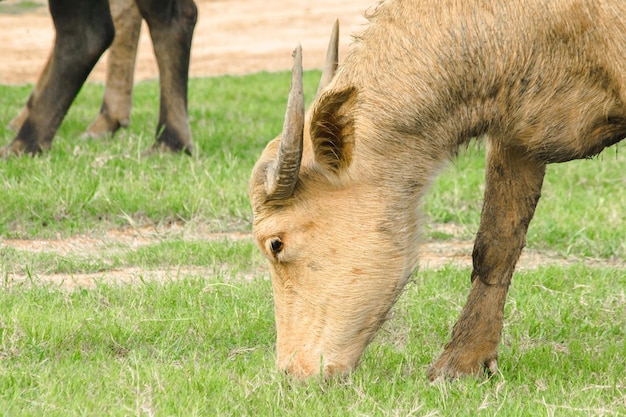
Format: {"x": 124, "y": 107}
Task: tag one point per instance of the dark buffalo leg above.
{"x": 118, "y": 93}
{"x": 84, "y": 29}
{"x": 513, "y": 187}
{"x": 171, "y": 25}
{"x": 117, "y": 101}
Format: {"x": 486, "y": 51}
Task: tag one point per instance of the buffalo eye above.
{"x": 276, "y": 245}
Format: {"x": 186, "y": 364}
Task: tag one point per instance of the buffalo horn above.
{"x": 282, "y": 174}
{"x": 332, "y": 58}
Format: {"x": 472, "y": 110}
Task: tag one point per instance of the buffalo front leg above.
{"x": 83, "y": 31}
{"x": 171, "y": 25}
{"x": 513, "y": 188}
{"x": 117, "y": 101}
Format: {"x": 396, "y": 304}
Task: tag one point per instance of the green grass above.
{"x": 201, "y": 341}
{"x": 86, "y": 187}
{"x": 205, "y": 346}
{"x": 580, "y": 213}
{"x": 19, "y": 7}
{"x": 83, "y": 186}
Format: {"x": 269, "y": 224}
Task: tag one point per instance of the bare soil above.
{"x": 434, "y": 254}
{"x": 231, "y": 37}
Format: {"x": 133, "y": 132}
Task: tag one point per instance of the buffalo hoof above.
{"x": 19, "y": 148}
{"x": 162, "y": 147}
{"x": 103, "y": 126}
{"x": 454, "y": 364}
{"x": 173, "y": 140}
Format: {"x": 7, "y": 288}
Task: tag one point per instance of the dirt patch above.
{"x": 231, "y": 37}
{"x": 119, "y": 241}
{"x": 433, "y": 255}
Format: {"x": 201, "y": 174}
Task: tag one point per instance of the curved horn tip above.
{"x": 332, "y": 58}
{"x": 296, "y": 74}
{"x": 297, "y": 53}
{"x": 297, "y": 63}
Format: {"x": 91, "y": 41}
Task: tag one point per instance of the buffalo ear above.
{"x": 332, "y": 129}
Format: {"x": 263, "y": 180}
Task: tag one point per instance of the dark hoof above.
{"x": 19, "y": 148}
{"x": 162, "y": 148}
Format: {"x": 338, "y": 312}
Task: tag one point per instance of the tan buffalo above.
{"x": 84, "y": 30}
{"x": 336, "y": 196}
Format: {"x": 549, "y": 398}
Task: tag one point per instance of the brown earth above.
{"x": 434, "y": 255}
{"x": 231, "y": 37}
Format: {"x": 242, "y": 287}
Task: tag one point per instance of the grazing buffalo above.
{"x": 336, "y": 196}
{"x": 84, "y": 30}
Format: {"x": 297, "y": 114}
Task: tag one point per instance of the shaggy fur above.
{"x": 539, "y": 81}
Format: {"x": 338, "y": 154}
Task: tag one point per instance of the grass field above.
{"x": 201, "y": 341}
